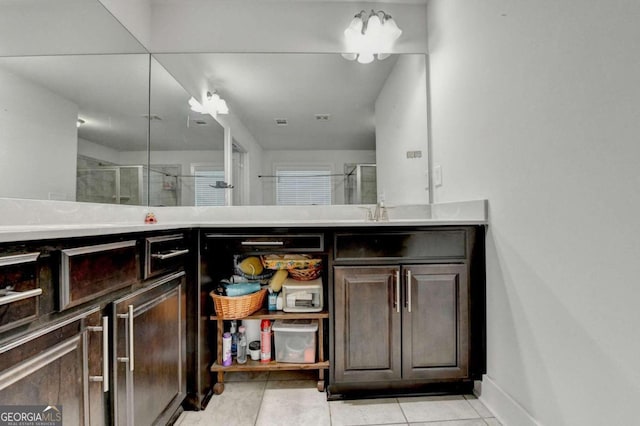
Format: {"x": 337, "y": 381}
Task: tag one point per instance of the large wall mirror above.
{"x": 305, "y": 129}
{"x": 87, "y": 114}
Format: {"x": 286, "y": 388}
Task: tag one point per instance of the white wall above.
{"x": 98, "y": 152}
{"x": 333, "y": 159}
{"x": 536, "y": 106}
{"x": 401, "y": 126}
{"x": 38, "y": 141}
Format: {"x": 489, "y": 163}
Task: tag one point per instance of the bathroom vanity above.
{"x": 116, "y": 322}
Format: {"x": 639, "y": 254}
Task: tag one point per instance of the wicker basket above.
{"x": 305, "y": 274}
{"x": 238, "y": 306}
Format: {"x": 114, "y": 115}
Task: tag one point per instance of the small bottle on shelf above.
{"x": 226, "y": 349}
{"x": 265, "y": 341}
{"x": 242, "y": 345}
{"x": 234, "y": 337}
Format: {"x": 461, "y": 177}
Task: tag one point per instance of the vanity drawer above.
{"x": 411, "y": 245}
{"x": 164, "y": 253}
{"x": 92, "y": 271}
{"x": 268, "y": 243}
{"x": 19, "y": 289}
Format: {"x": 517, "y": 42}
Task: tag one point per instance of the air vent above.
{"x": 323, "y": 117}
{"x": 281, "y": 121}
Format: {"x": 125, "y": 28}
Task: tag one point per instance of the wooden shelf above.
{"x": 267, "y": 314}
{"x": 270, "y": 366}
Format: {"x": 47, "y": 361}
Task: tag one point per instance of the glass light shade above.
{"x": 354, "y": 28}
{"x": 365, "y": 58}
{"x": 391, "y": 30}
{"x": 195, "y": 105}
{"x": 374, "y": 34}
{"x": 350, "y": 56}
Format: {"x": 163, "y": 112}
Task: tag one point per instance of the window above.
{"x": 303, "y": 187}
{"x": 205, "y": 181}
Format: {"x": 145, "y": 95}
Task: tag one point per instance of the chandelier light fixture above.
{"x": 370, "y": 33}
{"x": 212, "y": 105}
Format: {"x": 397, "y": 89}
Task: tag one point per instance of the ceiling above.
{"x": 260, "y": 88}
{"x": 111, "y": 90}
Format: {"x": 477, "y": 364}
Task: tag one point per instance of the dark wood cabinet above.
{"x": 113, "y": 350}
{"x": 402, "y": 324}
{"x": 51, "y": 366}
{"x": 149, "y": 353}
{"x": 367, "y": 324}
{"x": 435, "y": 322}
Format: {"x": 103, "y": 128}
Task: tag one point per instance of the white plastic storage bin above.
{"x": 295, "y": 340}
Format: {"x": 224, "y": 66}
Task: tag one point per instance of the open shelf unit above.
{"x": 321, "y": 364}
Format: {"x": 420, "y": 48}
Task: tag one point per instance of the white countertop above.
{"x": 24, "y": 220}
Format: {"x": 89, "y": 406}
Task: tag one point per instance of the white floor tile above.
{"x": 238, "y": 405}
{"x": 437, "y": 408}
{"x": 293, "y": 402}
{"x": 366, "y": 412}
{"x": 478, "y": 406}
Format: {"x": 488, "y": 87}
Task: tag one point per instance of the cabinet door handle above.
{"x": 129, "y": 317}
{"x": 9, "y": 296}
{"x": 262, "y": 243}
{"x": 169, "y": 255}
{"x": 131, "y": 338}
{"x": 105, "y": 354}
{"x": 408, "y": 289}
{"x": 396, "y": 300}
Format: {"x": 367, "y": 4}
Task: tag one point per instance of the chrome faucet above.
{"x": 380, "y": 214}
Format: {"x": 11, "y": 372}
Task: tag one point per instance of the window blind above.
{"x": 206, "y": 195}
{"x": 303, "y": 187}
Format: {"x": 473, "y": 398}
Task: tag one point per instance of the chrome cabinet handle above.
{"x": 397, "y": 285}
{"x": 17, "y": 259}
{"x": 408, "y": 288}
{"x": 105, "y": 354}
{"x": 169, "y": 255}
{"x": 262, "y": 243}
{"x": 14, "y": 296}
{"x": 129, "y": 317}
{"x": 131, "y": 338}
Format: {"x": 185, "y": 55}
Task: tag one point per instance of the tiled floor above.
{"x": 291, "y": 399}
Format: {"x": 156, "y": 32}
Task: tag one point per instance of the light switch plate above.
{"x": 437, "y": 175}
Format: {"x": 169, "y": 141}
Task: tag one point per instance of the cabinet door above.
{"x": 367, "y": 324}
{"x": 435, "y": 322}
{"x": 49, "y": 367}
{"x": 150, "y": 351}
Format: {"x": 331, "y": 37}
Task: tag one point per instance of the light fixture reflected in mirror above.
{"x": 370, "y": 33}
{"x": 213, "y": 105}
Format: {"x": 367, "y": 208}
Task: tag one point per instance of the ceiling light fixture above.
{"x": 213, "y": 105}
{"x": 370, "y": 33}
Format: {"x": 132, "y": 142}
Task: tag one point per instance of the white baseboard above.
{"x": 505, "y": 408}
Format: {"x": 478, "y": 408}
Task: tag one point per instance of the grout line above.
{"x": 264, "y": 389}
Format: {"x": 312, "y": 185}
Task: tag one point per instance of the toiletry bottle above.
{"x": 226, "y": 349}
{"x": 265, "y": 341}
{"x": 242, "y": 345}
{"x": 234, "y": 338}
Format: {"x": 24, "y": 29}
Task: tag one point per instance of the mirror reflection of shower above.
{"x": 360, "y": 184}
